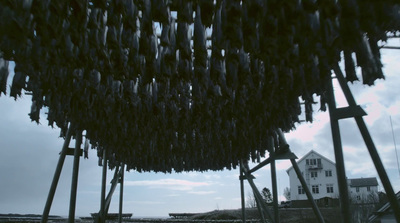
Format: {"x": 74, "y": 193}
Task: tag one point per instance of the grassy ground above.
{"x": 287, "y": 215}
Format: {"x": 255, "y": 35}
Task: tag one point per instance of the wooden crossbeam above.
{"x": 278, "y": 156}
{"x": 71, "y": 152}
{"x": 348, "y": 112}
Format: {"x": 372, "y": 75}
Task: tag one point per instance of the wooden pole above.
{"x": 102, "y": 214}
{"x": 257, "y": 194}
{"x": 258, "y": 205}
{"x": 338, "y": 150}
{"x": 370, "y": 146}
{"x": 121, "y": 192}
{"x": 317, "y": 212}
{"x": 75, "y": 172}
{"x": 57, "y": 174}
{"x": 242, "y": 194}
{"x": 274, "y": 182}
{"x": 114, "y": 183}
{"x": 314, "y": 206}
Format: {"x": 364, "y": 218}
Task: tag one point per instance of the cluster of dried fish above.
{"x": 179, "y": 102}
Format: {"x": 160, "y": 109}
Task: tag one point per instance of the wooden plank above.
{"x": 71, "y": 152}
{"x": 348, "y": 112}
{"x": 278, "y": 156}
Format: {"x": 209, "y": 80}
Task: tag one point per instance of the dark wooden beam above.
{"x": 370, "y": 146}
{"x": 348, "y": 112}
{"x": 278, "y": 156}
{"x": 57, "y": 174}
{"x": 75, "y": 173}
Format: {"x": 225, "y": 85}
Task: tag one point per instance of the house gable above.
{"x": 307, "y": 156}
{"x": 319, "y": 174}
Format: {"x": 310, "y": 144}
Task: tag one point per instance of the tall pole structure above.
{"x": 57, "y": 174}
{"x": 242, "y": 194}
{"x": 75, "y": 172}
{"x": 121, "y": 192}
{"x": 102, "y": 216}
{"x": 317, "y": 212}
{"x": 338, "y": 150}
{"x": 274, "y": 182}
{"x": 370, "y": 146}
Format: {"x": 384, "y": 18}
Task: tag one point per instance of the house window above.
{"x": 358, "y": 197}
{"x": 300, "y": 190}
{"x": 315, "y": 189}
{"x": 357, "y": 189}
{"x": 314, "y": 174}
{"x": 313, "y": 162}
{"x": 328, "y": 173}
{"x": 329, "y": 188}
{"x": 368, "y": 188}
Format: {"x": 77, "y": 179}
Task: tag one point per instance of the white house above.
{"x": 364, "y": 190}
{"x": 319, "y": 174}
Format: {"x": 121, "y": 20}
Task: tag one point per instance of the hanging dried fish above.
{"x": 231, "y": 23}
{"x": 164, "y": 40}
{"x": 146, "y": 24}
{"x": 35, "y": 111}
{"x": 350, "y": 67}
{"x": 185, "y": 11}
{"x": 200, "y": 51}
{"x": 18, "y": 82}
{"x": 3, "y": 76}
{"x": 232, "y": 68}
{"x": 251, "y": 14}
{"x": 130, "y": 14}
{"x": 183, "y": 40}
{"x": 171, "y": 103}
{"x": 207, "y": 11}
{"x": 86, "y": 148}
{"x": 160, "y": 11}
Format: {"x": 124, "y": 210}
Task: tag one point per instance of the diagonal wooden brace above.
{"x": 249, "y": 177}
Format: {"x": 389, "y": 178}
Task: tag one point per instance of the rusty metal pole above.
{"x": 75, "y": 172}
{"x": 57, "y": 174}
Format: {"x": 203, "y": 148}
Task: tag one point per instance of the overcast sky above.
{"x": 29, "y": 154}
